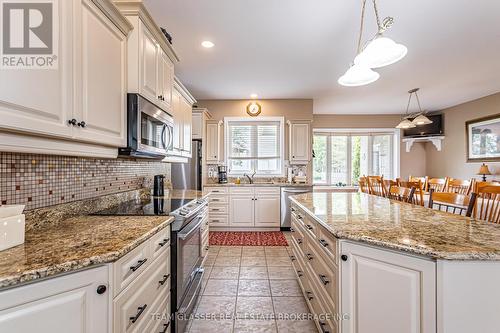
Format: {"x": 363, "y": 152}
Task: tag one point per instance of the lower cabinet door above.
{"x": 384, "y": 291}
{"x": 267, "y": 211}
{"x": 76, "y": 303}
{"x": 242, "y": 211}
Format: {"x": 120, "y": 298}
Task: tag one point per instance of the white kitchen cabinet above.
{"x": 384, "y": 291}
{"x": 64, "y": 304}
{"x": 241, "y": 209}
{"x": 182, "y": 103}
{"x": 254, "y": 207}
{"x": 213, "y": 142}
{"x": 299, "y": 142}
{"x": 178, "y": 123}
{"x": 187, "y": 115}
{"x": 166, "y": 80}
{"x": 267, "y": 207}
{"x": 148, "y": 66}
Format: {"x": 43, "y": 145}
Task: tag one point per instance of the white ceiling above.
{"x": 298, "y": 49}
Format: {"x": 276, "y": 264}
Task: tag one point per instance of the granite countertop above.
{"x": 75, "y": 243}
{"x": 401, "y": 226}
{"x": 257, "y": 185}
{"x": 185, "y": 194}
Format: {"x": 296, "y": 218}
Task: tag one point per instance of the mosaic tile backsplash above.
{"x": 45, "y": 180}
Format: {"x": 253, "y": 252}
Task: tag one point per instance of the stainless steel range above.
{"x": 186, "y": 259}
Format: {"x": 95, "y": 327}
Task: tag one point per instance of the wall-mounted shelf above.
{"x": 436, "y": 141}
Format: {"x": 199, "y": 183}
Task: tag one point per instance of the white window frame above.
{"x": 370, "y": 132}
{"x": 281, "y": 121}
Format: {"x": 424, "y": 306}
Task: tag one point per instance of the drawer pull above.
{"x": 310, "y": 295}
{"x": 309, "y": 256}
{"x": 164, "y": 242}
{"x": 215, "y": 209}
{"x": 215, "y": 200}
{"x": 299, "y": 240}
{"x": 140, "y": 310}
{"x": 323, "y": 329}
{"x": 344, "y": 257}
{"x": 139, "y": 264}
{"x": 324, "y": 279}
{"x": 165, "y": 327}
{"x": 165, "y": 278}
{"x": 101, "y": 289}
{"x": 292, "y": 230}
{"x": 206, "y": 248}
{"x": 300, "y": 273}
{"x": 299, "y": 216}
{"x": 206, "y": 223}
{"x": 309, "y": 227}
{"x": 292, "y": 258}
{"x": 323, "y": 242}
{"x": 293, "y": 209}
{"x": 215, "y": 221}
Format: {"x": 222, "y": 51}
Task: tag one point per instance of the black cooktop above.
{"x": 152, "y": 206}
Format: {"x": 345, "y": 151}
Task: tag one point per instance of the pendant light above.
{"x": 380, "y": 51}
{"x": 419, "y": 118}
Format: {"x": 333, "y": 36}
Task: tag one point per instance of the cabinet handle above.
{"x": 215, "y": 209}
{"x": 101, "y": 289}
{"x": 140, "y": 310}
{"x": 160, "y": 97}
{"x": 344, "y": 257}
{"x": 165, "y": 327}
{"x": 292, "y": 230}
{"x": 324, "y": 279}
{"x": 323, "y": 329}
{"x": 164, "y": 242}
{"x": 292, "y": 258}
{"x": 165, "y": 278}
{"x": 309, "y": 257}
{"x": 139, "y": 264}
{"x": 300, "y": 273}
{"x": 310, "y": 295}
{"x": 323, "y": 242}
{"x": 82, "y": 124}
{"x": 309, "y": 227}
{"x": 72, "y": 121}
{"x": 293, "y": 209}
{"x": 299, "y": 240}
{"x": 215, "y": 221}
{"x": 207, "y": 247}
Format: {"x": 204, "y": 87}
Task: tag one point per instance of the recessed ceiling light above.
{"x": 254, "y": 96}
{"x": 207, "y": 44}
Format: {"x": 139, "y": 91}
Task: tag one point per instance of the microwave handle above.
{"x": 171, "y": 137}
{"x": 163, "y": 136}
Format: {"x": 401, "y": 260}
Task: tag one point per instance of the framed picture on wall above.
{"x": 483, "y": 139}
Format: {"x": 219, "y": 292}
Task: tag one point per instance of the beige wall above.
{"x": 451, "y": 161}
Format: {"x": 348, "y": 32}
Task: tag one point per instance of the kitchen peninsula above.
{"x": 434, "y": 271}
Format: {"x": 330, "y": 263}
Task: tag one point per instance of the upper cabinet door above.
{"x": 166, "y": 81}
{"x": 187, "y": 112}
{"x": 300, "y": 143}
{"x": 149, "y": 66}
{"x": 40, "y": 101}
{"x": 212, "y": 143}
{"x": 178, "y": 137}
{"x": 101, "y": 117}
{"x": 197, "y": 126}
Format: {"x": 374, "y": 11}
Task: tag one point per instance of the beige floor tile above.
{"x": 254, "y": 288}
{"x": 248, "y": 306}
{"x": 285, "y": 288}
{"x": 227, "y": 261}
{"x": 253, "y": 273}
{"x": 215, "y": 305}
{"x": 296, "y": 326}
{"x": 281, "y": 273}
{"x": 276, "y": 251}
{"x": 255, "y": 326}
{"x": 209, "y": 261}
{"x": 209, "y": 326}
{"x": 221, "y": 288}
{"x": 278, "y": 261}
{"x": 253, "y": 251}
{"x": 253, "y": 261}
{"x": 227, "y": 273}
{"x": 290, "y": 305}
{"x": 229, "y": 251}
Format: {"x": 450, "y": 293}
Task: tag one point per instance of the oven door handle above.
{"x": 185, "y": 235}
{"x": 197, "y": 287}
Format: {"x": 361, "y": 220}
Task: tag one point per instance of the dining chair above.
{"x": 460, "y": 186}
{"x": 437, "y": 184}
{"x": 376, "y": 185}
{"x": 423, "y": 180}
{"x": 363, "y": 185}
{"x": 454, "y": 203}
{"x": 487, "y": 206}
{"x": 400, "y": 193}
{"x": 388, "y": 183}
{"x": 418, "y": 196}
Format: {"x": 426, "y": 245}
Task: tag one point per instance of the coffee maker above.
{"x": 222, "y": 170}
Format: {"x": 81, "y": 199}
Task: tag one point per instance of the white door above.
{"x": 166, "y": 81}
{"x": 187, "y": 117}
{"x": 300, "y": 143}
{"x": 149, "y": 66}
{"x": 241, "y": 210}
{"x": 178, "y": 138}
{"x": 102, "y": 76}
{"x": 212, "y": 143}
{"x": 267, "y": 211}
{"x": 40, "y": 101}
{"x": 387, "y": 292}
{"x": 64, "y": 304}
{"x": 197, "y": 126}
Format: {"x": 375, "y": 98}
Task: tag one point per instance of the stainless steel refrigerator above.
{"x": 187, "y": 176}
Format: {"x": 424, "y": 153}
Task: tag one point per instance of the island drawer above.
{"x": 324, "y": 274}
{"x": 309, "y": 224}
{"x": 130, "y": 266}
{"x": 298, "y": 235}
{"x": 160, "y": 242}
{"x": 216, "y": 190}
{"x": 324, "y": 315}
{"x": 159, "y": 318}
{"x": 328, "y": 243}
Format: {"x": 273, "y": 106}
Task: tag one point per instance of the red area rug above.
{"x": 244, "y": 238}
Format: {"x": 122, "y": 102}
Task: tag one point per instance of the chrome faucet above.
{"x": 250, "y": 178}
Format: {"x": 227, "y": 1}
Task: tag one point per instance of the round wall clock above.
{"x": 254, "y": 109}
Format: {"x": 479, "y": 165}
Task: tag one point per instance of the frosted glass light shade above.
{"x": 381, "y": 52}
{"x": 358, "y": 75}
{"x": 406, "y": 123}
{"x": 421, "y": 120}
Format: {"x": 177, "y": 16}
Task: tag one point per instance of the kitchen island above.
{"x": 377, "y": 265}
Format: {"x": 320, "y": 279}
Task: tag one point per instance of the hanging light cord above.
{"x": 381, "y": 28}
{"x": 363, "y": 6}
{"x": 407, "y": 114}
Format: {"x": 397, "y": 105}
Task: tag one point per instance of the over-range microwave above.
{"x": 149, "y": 129}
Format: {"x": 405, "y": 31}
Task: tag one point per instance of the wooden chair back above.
{"x": 452, "y": 202}
{"x": 376, "y": 185}
{"x": 363, "y": 185}
{"x": 437, "y": 184}
{"x": 423, "y": 180}
{"x": 403, "y": 194}
{"x": 460, "y": 186}
{"x": 388, "y": 183}
{"x": 487, "y": 206}
{"x": 418, "y": 196}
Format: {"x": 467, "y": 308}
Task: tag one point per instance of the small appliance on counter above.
{"x": 158, "y": 186}
{"x": 12, "y": 224}
{"x": 300, "y": 179}
{"x": 222, "y": 170}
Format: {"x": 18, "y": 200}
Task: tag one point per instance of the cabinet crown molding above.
{"x": 114, "y": 14}
{"x": 183, "y": 91}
